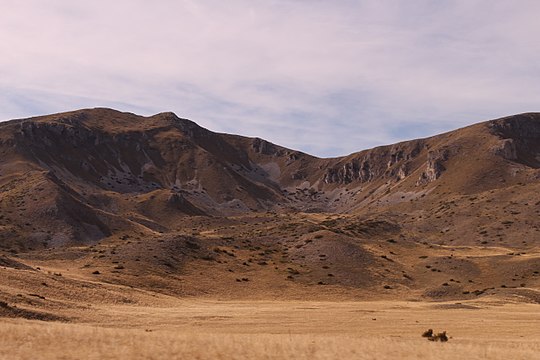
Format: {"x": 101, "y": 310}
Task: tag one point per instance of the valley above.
{"x": 153, "y": 230}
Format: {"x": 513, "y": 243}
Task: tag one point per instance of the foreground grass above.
{"x": 212, "y": 329}
{"x": 35, "y": 340}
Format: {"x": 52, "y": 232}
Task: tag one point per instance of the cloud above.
{"x": 328, "y": 78}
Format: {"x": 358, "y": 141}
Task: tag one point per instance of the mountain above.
{"x": 161, "y": 203}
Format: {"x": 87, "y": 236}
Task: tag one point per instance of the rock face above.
{"x": 266, "y": 148}
{"x": 386, "y": 162}
{"x": 402, "y": 172}
{"x": 520, "y": 138}
{"x": 354, "y": 170}
{"x": 506, "y": 149}
{"x": 434, "y": 167}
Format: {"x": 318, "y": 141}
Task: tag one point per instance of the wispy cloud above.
{"x": 325, "y": 77}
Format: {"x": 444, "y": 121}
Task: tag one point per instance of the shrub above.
{"x": 442, "y": 337}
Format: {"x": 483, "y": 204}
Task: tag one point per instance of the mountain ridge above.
{"x": 170, "y": 202}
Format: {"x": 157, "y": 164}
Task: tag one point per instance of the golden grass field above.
{"x": 212, "y": 329}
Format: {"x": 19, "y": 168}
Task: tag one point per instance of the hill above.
{"x": 161, "y": 204}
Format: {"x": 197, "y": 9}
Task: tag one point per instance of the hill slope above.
{"x": 160, "y": 203}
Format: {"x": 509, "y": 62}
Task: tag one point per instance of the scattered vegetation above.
{"x": 431, "y": 336}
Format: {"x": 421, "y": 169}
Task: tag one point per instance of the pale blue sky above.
{"x": 325, "y": 77}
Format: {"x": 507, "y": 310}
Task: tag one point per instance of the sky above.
{"x": 325, "y": 77}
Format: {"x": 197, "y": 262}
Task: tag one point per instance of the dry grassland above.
{"x": 281, "y": 330}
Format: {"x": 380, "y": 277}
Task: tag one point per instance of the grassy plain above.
{"x": 212, "y": 329}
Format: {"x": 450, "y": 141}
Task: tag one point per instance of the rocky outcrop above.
{"x": 386, "y": 162}
{"x": 525, "y": 127}
{"x": 355, "y": 170}
{"x": 266, "y": 148}
{"x": 520, "y": 138}
{"x": 434, "y": 167}
{"x": 402, "y": 172}
{"x": 506, "y": 149}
